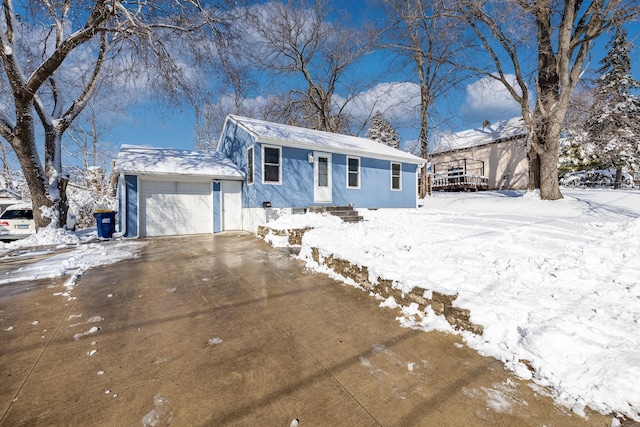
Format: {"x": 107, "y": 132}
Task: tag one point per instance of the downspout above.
{"x": 123, "y": 207}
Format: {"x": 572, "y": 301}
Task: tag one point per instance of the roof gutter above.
{"x": 176, "y": 176}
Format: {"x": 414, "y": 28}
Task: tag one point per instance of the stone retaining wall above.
{"x": 439, "y": 302}
{"x": 294, "y": 235}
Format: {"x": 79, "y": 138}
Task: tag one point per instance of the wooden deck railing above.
{"x": 459, "y": 182}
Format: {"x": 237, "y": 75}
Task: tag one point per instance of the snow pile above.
{"x": 291, "y": 222}
{"x": 556, "y": 284}
{"x": 63, "y": 253}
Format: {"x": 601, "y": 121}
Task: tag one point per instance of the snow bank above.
{"x": 556, "y": 284}
{"x": 72, "y": 254}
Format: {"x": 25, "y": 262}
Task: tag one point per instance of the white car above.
{"x": 16, "y": 222}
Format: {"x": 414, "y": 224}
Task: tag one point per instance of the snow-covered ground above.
{"x": 58, "y": 253}
{"x": 554, "y": 283}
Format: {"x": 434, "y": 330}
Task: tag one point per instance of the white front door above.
{"x": 231, "y": 205}
{"x": 322, "y": 177}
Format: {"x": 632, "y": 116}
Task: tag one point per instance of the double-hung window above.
{"x": 396, "y": 176}
{"x": 250, "y": 165}
{"x": 353, "y": 172}
{"x": 271, "y": 165}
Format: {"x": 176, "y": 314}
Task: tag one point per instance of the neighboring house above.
{"x": 8, "y": 198}
{"x": 491, "y": 158}
{"x": 260, "y": 169}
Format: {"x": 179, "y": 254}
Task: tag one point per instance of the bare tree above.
{"x": 426, "y": 39}
{"x": 561, "y": 33}
{"x": 53, "y": 56}
{"x": 231, "y": 87}
{"x": 5, "y": 171}
{"x": 85, "y": 139}
{"x": 294, "y": 40}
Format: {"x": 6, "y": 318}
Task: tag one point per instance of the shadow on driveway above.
{"x": 225, "y": 330}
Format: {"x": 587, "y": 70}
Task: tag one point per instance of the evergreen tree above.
{"x": 380, "y": 130}
{"x": 577, "y": 153}
{"x": 614, "y": 125}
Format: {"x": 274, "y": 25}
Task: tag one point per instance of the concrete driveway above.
{"x": 225, "y": 330}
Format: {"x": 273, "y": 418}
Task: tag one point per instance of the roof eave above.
{"x": 182, "y": 175}
{"x": 494, "y": 141}
{"x": 316, "y": 147}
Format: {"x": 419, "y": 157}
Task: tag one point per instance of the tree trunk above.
{"x": 549, "y": 187}
{"x": 424, "y": 123}
{"x": 618, "y": 182}
{"x": 25, "y": 149}
{"x": 534, "y": 170}
{"x": 545, "y": 144}
{"x": 55, "y": 177}
{"x": 47, "y": 187}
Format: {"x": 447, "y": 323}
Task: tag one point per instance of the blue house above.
{"x": 289, "y": 167}
{"x": 260, "y": 170}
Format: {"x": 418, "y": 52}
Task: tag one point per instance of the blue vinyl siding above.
{"x": 375, "y": 184}
{"x": 131, "y": 201}
{"x": 217, "y": 202}
{"x": 234, "y": 143}
{"x": 296, "y": 188}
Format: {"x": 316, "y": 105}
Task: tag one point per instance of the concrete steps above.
{"x": 346, "y": 213}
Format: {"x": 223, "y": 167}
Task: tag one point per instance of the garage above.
{"x": 168, "y": 192}
{"x": 172, "y": 208}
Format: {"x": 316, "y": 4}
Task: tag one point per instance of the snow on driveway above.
{"x": 56, "y": 253}
{"x": 554, "y": 283}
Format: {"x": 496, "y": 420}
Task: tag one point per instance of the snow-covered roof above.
{"x": 293, "y": 136}
{"x": 168, "y": 161}
{"x": 504, "y": 130}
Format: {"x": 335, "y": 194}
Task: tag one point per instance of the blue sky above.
{"x": 466, "y": 107}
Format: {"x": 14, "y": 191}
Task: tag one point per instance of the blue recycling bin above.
{"x": 106, "y": 223}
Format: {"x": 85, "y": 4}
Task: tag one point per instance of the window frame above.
{"x": 318, "y": 171}
{"x": 357, "y": 172}
{"x": 251, "y": 161}
{"x": 399, "y": 176}
{"x": 264, "y": 164}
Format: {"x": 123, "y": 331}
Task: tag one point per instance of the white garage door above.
{"x": 174, "y": 208}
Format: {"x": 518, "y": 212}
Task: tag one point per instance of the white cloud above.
{"x": 398, "y": 101}
{"x": 488, "y": 99}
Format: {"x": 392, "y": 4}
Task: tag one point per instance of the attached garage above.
{"x": 166, "y": 192}
{"x": 170, "y": 208}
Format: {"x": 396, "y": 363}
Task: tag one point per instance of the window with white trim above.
{"x": 396, "y": 176}
{"x": 250, "y": 165}
{"x": 353, "y": 172}
{"x": 271, "y": 165}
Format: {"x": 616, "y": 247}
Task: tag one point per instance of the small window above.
{"x": 323, "y": 171}
{"x": 250, "y": 165}
{"x": 396, "y": 176}
{"x": 271, "y": 171}
{"x": 353, "y": 172}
